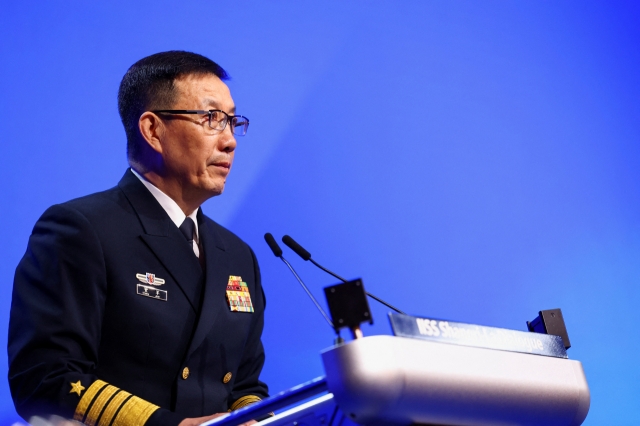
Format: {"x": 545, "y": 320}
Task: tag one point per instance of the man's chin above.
{"x": 214, "y": 190}
{"x": 207, "y": 188}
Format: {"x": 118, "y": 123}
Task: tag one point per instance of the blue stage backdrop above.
{"x": 475, "y": 161}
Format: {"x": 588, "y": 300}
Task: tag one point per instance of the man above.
{"x": 130, "y": 306}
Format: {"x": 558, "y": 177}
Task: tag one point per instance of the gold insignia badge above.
{"x": 77, "y": 388}
{"x": 238, "y": 297}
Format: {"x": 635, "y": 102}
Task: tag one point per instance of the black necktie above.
{"x": 188, "y": 229}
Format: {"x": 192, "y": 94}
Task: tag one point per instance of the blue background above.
{"x": 476, "y": 161}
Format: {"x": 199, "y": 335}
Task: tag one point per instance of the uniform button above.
{"x": 185, "y": 373}
{"x": 226, "y": 378}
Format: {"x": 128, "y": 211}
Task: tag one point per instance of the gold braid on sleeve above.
{"x": 243, "y": 402}
{"x": 106, "y": 405}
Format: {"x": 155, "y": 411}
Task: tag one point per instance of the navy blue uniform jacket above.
{"x": 76, "y": 316}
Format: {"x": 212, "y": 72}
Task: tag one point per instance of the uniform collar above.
{"x": 174, "y": 211}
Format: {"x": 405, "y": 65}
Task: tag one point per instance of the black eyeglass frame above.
{"x": 242, "y": 128}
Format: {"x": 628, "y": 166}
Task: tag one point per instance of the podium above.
{"x": 387, "y": 380}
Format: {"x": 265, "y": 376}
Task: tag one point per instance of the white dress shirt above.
{"x": 173, "y": 210}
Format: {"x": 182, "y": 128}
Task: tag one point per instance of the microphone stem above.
{"x": 308, "y": 292}
{"x": 385, "y": 303}
{"x": 328, "y": 271}
{"x": 368, "y": 294}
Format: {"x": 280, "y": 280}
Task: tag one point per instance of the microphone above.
{"x": 273, "y": 245}
{"x": 297, "y": 248}
{"x": 277, "y": 251}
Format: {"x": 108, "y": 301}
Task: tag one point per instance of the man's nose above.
{"x": 228, "y": 140}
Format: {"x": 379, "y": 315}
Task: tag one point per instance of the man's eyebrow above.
{"x": 213, "y": 103}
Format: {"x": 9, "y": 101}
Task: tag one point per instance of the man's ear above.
{"x": 152, "y": 129}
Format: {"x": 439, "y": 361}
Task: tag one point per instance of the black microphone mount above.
{"x": 305, "y": 255}
{"x": 277, "y": 251}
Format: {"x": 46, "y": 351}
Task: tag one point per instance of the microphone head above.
{"x": 305, "y": 255}
{"x": 273, "y": 245}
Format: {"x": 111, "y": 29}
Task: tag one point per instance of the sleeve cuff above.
{"x": 247, "y": 400}
{"x": 243, "y": 402}
{"x": 104, "y": 404}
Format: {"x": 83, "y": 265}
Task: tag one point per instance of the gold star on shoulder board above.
{"x": 77, "y": 388}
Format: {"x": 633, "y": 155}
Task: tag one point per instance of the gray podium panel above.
{"x": 385, "y": 379}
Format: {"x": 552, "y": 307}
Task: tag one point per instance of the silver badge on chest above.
{"x": 150, "y": 286}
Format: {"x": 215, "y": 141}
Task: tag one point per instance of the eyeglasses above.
{"x": 217, "y": 119}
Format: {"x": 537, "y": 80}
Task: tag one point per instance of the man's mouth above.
{"x": 223, "y": 164}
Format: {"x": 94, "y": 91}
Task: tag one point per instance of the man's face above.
{"x": 195, "y": 156}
